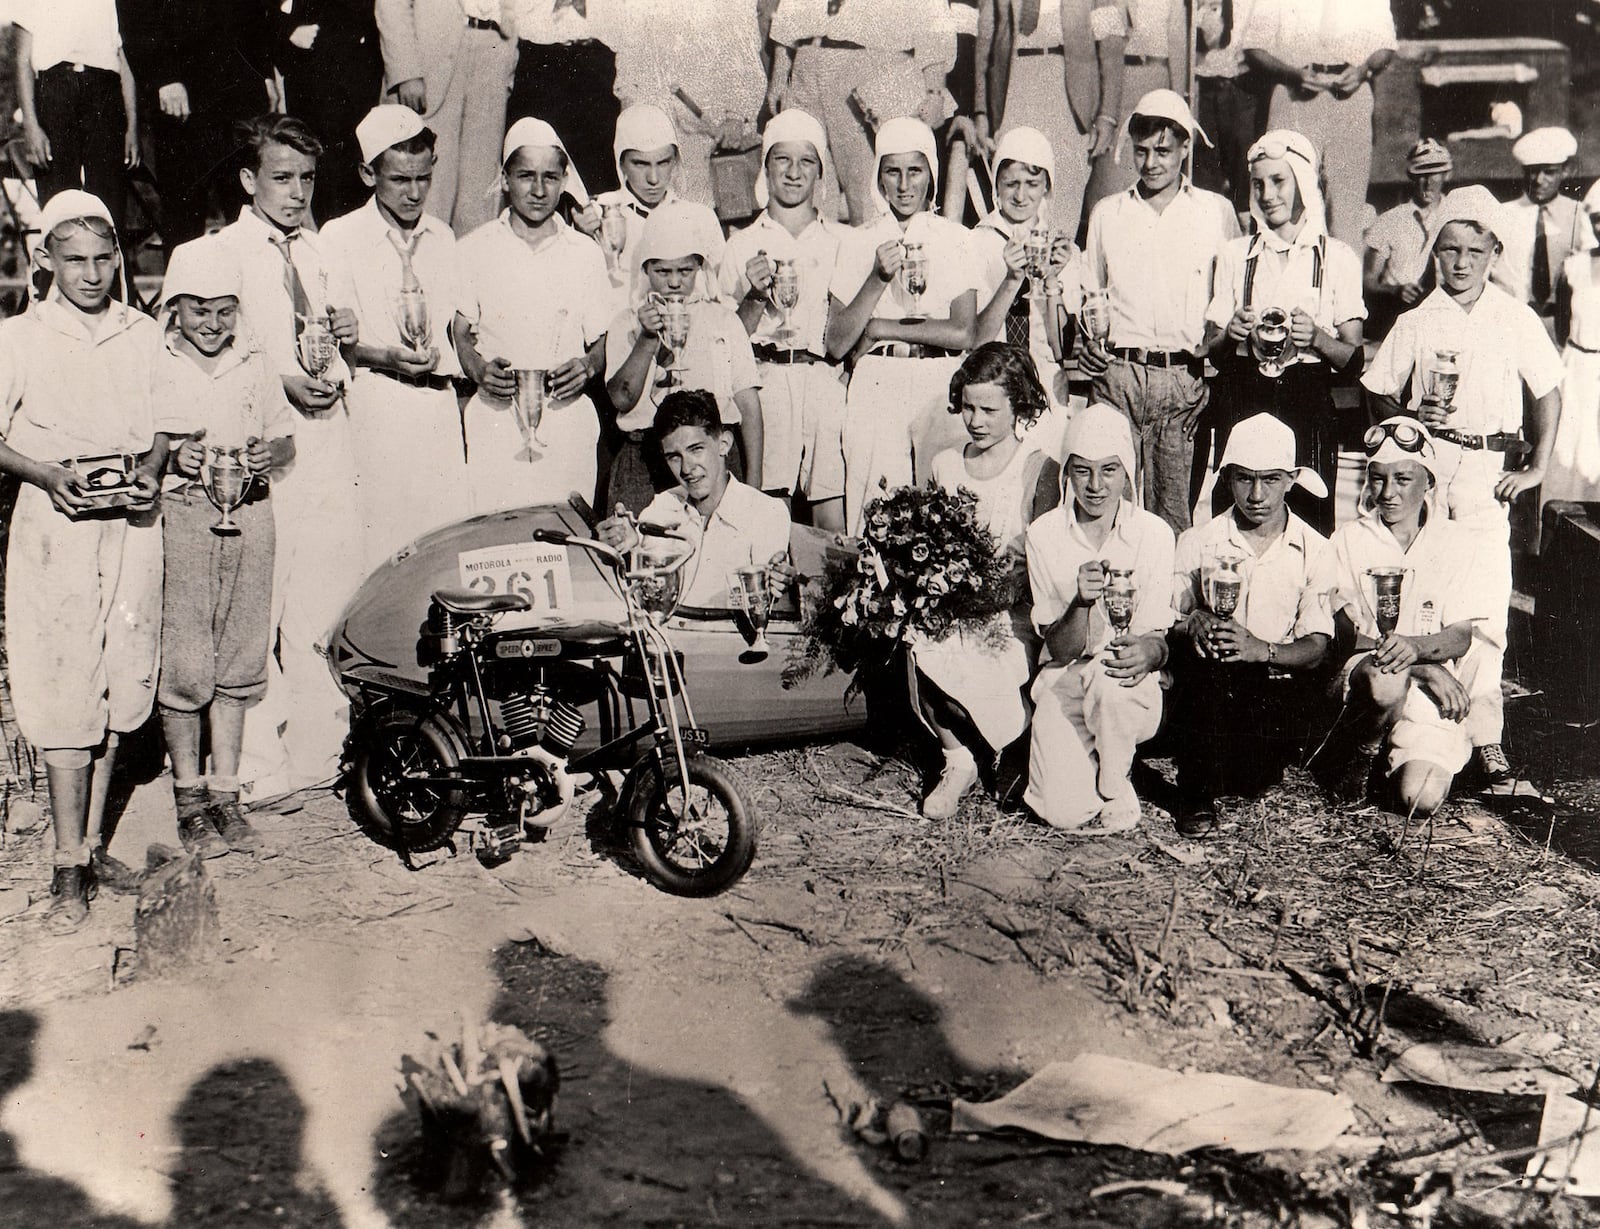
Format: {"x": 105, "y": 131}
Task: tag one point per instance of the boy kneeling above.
{"x": 1412, "y": 602}
{"x": 214, "y": 393}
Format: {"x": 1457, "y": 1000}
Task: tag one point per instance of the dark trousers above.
{"x": 1236, "y": 726}
{"x": 197, "y": 164}
{"x": 1233, "y": 114}
{"x": 83, "y": 115}
{"x": 332, "y": 93}
{"x": 569, "y": 86}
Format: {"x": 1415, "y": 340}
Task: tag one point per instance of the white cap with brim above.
{"x": 1474, "y": 204}
{"x": 1263, "y": 443}
{"x": 1545, "y": 147}
{"x": 1167, "y": 105}
{"x": 641, "y": 128}
{"x": 529, "y": 132}
{"x": 1028, "y": 146}
{"x": 205, "y": 268}
{"x": 385, "y": 126}
{"x": 70, "y": 205}
{"x": 1389, "y": 452}
{"x": 1100, "y": 431}
{"x": 792, "y": 125}
{"x": 905, "y": 134}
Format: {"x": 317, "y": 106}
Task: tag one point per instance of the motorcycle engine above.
{"x": 537, "y": 718}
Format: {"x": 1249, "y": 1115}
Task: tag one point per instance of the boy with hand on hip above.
{"x": 218, "y": 399}
{"x": 83, "y": 576}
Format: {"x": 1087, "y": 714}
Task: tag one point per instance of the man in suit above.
{"x": 200, "y": 66}
{"x": 332, "y": 71}
{"x": 1541, "y": 228}
{"x": 451, "y": 61}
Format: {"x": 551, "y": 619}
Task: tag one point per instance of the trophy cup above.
{"x": 1269, "y": 341}
{"x": 226, "y": 482}
{"x": 657, "y": 583}
{"x": 914, "y": 276}
{"x": 785, "y": 293}
{"x": 1118, "y": 597}
{"x": 316, "y": 347}
{"x": 752, "y": 595}
{"x": 613, "y": 232}
{"x": 1223, "y": 584}
{"x": 1386, "y": 583}
{"x": 527, "y": 406}
{"x": 1036, "y": 246}
{"x": 411, "y": 317}
{"x": 1442, "y": 377}
{"x": 1094, "y": 317}
{"x": 674, "y": 336}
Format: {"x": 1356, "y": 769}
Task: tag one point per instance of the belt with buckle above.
{"x": 910, "y": 349}
{"x": 1153, "y": 358}
{"x": 1500, "y": 441}
{"x": 1027, "y": 51}
{"x": 778, "y": 354}
{"x": 1140, "y": 60}
{"x": 1331, "y": 69}
{"x": 426, "y": 379}
{"x": 483, "y": 23}
{"x": 835, "y": 44}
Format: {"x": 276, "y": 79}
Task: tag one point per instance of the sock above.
{"x": 223, "y": 789}
{"x": 77, "y": 855}
{"x": 190, "y": 797}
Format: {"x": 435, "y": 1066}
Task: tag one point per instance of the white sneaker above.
{"x": 1120, "y": 814}
{"x": 960, "y": 774}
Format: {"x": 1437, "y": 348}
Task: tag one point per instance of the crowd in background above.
{"x": 479, "y": 252}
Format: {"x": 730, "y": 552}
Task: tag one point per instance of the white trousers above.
{"x": 499, "y": 477}
{"x": 802, "y": 427}
{"x": 895, "y": 424}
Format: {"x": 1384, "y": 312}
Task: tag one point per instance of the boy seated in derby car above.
{"x": 728, "y": 524}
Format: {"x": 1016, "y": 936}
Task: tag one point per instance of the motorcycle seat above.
{"x": 469, "y": 601}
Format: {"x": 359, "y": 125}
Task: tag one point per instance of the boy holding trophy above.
{"x": 83, "y": 558}
{"x": 223, "y": 407}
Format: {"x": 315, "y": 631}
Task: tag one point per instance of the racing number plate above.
{"x": 694, "y": 736}
{"x": 538, "y": 570}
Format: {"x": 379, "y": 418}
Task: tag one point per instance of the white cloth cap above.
{"x": 1301, "y": 156}
{"x": 385, "y": 125}
{"x": 1261, "y": 443}
{"x": 1164, "y": 104}
{"x": 535, "y": 132}
{"x": 792, "y": 125}
{"x": 642, "y": 127}
{"x": 205, "y": 268}
{"x": 1099, "y": 431}
{"x": 1474, "y": 203}
{"x": 676, "y": 229}
{"x": 1545, "y": 147}
{"x": 1028, "y": 146}
{"x": 1389, "y": 452}
{"x": 69, "y": 205}
{"x": 905, "y": 134}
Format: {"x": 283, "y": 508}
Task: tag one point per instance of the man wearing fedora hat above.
{"x": 1243, "y": 661}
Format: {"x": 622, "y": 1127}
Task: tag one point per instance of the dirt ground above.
{"x": 709, "y": 1050}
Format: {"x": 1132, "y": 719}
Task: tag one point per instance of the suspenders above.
{"x": 1255, "y": 257}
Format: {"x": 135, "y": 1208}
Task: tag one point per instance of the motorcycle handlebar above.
{"x": 593, "y": 545}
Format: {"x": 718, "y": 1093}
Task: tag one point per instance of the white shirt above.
{"x": 717, "y": 359}
{"x": 746, "y": 530}
{"x": 1226, "y": 60}
{"x": 558, "y": 21}
{"x": 1301, "y": 32}
{"x": 72, "y": 388}
{"x": 1501, "y": 348}
{"x": 360, "y": 243}
{"x": 1283, "y": 278}
{"x": 70, "y": 32}
{"x": 1566, "y": 231}
{"x": 951, "y": 272}
{"x": 536, "y": 307}
{"x": 266, "y": 302}
{"x": 239, "y": 399}
{"x": 1399, "y": 236}
{"x": 1277, "y": 602}
{"x": 1158, "y": 267}
{"x": 1058, "y": 547}
{"x": 815, "y": 252}
{"x": 1442, "y": 586}
{"x": 1142, "y": 22}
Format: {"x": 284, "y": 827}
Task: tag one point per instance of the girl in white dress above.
{"x": 1574, "y": 469}
{"x": 968, "y": 688}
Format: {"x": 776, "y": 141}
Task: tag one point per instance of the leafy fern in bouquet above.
{"x": 927, "y": 569}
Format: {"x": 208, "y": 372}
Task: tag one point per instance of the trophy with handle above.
{"x": 914, "y": 276}
{"x": 226, "y": 482}
{"x": 785, "y": 293}
{"x": 1386, "y": 586}
{"x": 1442, "y": 377}
{"x": 1269, "y": 341}
{"x": 1118, "y": 598}
{"x": 1223, "y": 584}
{"x": 753, "y": 596}
{"x": 674, "y": 336}
{"x": 1094, "y": 317}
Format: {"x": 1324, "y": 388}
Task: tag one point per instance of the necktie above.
{"x": 292, "y": 282}
{"x": 1017, "y": 318}
{"x": 407, "y": 249}
{"x": 1540, "y": 285}
{"x": 1028, "y": 17}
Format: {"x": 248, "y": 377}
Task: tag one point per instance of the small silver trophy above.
{"x": 227, "y": 482}
{"x": 753, "y": 596}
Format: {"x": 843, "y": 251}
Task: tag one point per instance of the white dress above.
{"x": 1574, "y": 471}
{"x": 989, "y": 680}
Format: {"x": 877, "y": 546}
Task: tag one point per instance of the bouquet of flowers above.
{"x": 927, "y": 568}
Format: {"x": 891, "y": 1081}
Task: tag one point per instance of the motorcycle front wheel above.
{"x": 385, "y": 752}
{"x": 703, "y": 852}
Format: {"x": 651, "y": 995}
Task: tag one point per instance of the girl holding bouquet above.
{"x": 969, "y": 686}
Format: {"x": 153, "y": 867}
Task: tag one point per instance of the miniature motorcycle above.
{"x": 491, "y": 740}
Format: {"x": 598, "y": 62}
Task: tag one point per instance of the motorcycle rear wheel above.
{"x": 710, "y": 851}
{"x": 390, "y": 809}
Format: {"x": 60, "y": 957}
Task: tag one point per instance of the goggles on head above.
{"x": 1408, "y": 437}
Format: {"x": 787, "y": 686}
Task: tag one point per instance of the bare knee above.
{"x": 1384, "y": 693}
{"x": 1422, "y": 786}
